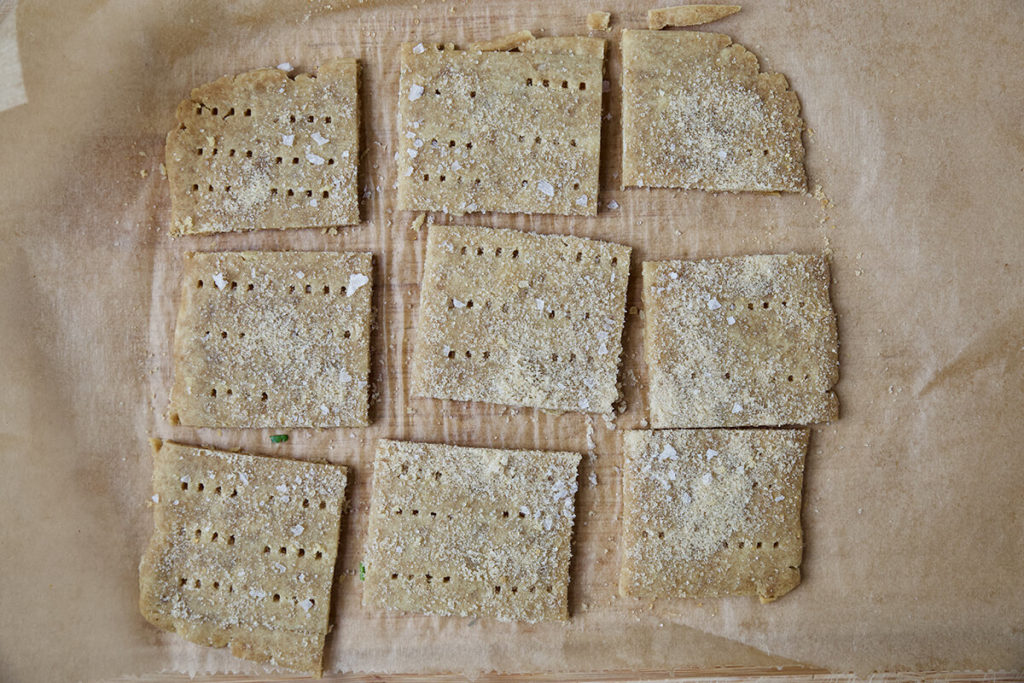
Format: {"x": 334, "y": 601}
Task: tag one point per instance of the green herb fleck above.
{"x": 362, "y": 572}
{"x": 279, "y": 438}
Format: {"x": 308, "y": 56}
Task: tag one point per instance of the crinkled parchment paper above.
{"x": 914, "y": 509}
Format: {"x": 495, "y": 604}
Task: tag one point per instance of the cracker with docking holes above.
{"x": 470, "y": 531}
{"x": 273, "y": 339}
{"x": 697, "y": 113}
{"x": 712, "y": 512}
{"x": 242, "y": 553}
{"x": 261, "y": 150}
{"x": 740, "y": 341}
{"x": 520, "y": 319}
{"x": 486, "y": 130}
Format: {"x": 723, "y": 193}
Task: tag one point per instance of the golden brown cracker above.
{"x": 741, "y": 341}
{"x": 520, "y": 319}
{"x": 712, "y": 512}
{"x": 261, "y": 150}
{"x": 273, "y": 339}
{"x": 697, "y": 113}
{"x": 470, "y": 531}
{"x": 688, "y": 15}
{"x": 243, "y": 552}
{"x": 501, "y": 131}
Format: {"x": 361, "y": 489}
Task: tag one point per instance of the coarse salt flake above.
{"x": 297, "y": 530}
{"x": 540, "y": 304}
{"x": 419, "y": 49}
{"x": 582, "y": 201}
{"x": 546, "y": 188}
{"x": 613, "y": 205}
{"x": 319, "y": 139}
{"x": 668, "y": 453}
{"x": 344, "y": 377}
{"x": 355, "y": 281}
{"x": 706, "y": 478}
{"x": 731, "y": 320}
{"x": 685, "y": 497}
{"x": 710, "y": 454}
{"x": 287, "y": 140}
{"x": 713, "y": 304}
{"x": 282, "y": 488}
{"x": 314, "y": 159}
{"x": 285, "y": 66}
{"x": 218, "y": 279}
{"x": 156, "y": 498}
{"x": 415, "y": 92}
{"x": 737, "y": 408}
{"x": 306, "y": 604}
{"x": 412, "y": 153}
{"x": 458, "y": 304}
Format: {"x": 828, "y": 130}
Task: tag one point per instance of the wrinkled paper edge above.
{"x": 12, "y": 85}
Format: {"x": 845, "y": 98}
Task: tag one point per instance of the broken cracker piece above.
{"x": 741, "y": 341}
{"x": 688, "y": 15}
{"x": 261, "y": 150}
{"x": 273, "y": 339}
{"x": 470, "y": 531}
{"x": 697, "y": 113}
{"x": 501, "y": 131}
{"x": 243, "y": 551}
{"x": 598, "y": 21}
{"x": 520, "y": 319}
{"x": 712, "y": 512}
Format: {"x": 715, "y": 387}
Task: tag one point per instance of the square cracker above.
{"x": 712, "y": 512}
{"x": 520, "y": 319}
{"x": 501, "y": 131}
{"x": 261, "y": 150}
{"x": 698, "y": 114}
{"x": 744, "y": 341}
{"x": 470, "y": 531}
{"x": 243, "y": 552}
{"x": 273, "y": 339}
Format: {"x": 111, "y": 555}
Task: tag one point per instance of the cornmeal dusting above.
{"x": 702, "y": 525}
{"x": 225, "y": 566}
{"x": 698, "y": 114}
{"x": 745, "y": 341}
{"x": 262, "y": 150}
{"x": 520, "y": 319}
{"x": 470, "y": 531}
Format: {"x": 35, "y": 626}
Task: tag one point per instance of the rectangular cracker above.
{"x": 470, "y": 531}
{"x": 242, "y": 552}
{"x": 520, "y": 319}
{"x": 697, "y": 113}
{"x": 741, "y": 341}
{"x": 273, "y": 339}
{"x": 712, "y": 512}
{"x": 598, "y": 21}
{"x": 501, "y": 131}
{"x": 688, "y": 15}
{"x": 261, "y": 150}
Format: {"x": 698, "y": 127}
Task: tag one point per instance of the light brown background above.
{"x": 914, "y": 515}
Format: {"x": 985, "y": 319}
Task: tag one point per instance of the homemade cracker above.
{"x": 470, "y": 531}
{"x": 744, "y": 341}
{"x": 698, "y": 114}
{"x": 261, "y": 150}
{"x": 520, "y": 319}
{"x": 273, "y": 339}
{"x": 243, "y": 552}
{"x": 688, "y": 15}
{"x": 483, "y": 130}
{"x": 712, "y": 512}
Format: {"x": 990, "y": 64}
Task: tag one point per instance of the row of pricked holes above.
{"x": 325, "y": 194}
{"x": 521, "y": 138}
{"x": 765, "y": 305}
{"x": 184, "y": 582}
{"x": 728, "y": 375}
{"x": 415, "y": 512}
{"x": 476, "y": 182}
{"x": 248, "y": 155}
{"x": 487, "y": 354}
{"x": 447, "y": 579}
{"x": 300, "y": 552}
{"x": 291, "y": 290}
{"x": 215, "y": 111}
{"x": 200, "y": 487}
{"x": 480, "y": 251}
{"x": 546, "y": 83}
{"x": 725, "y": 544}
{"x": 505, "y": 309}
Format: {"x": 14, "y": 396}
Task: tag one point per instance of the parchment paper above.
{"x": 913, "y": 500}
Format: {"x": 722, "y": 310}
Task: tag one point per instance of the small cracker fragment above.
{"x": 742, "y": 341}
{"x": 501, "y": 131}
{"x": 697, "y": 113}
{"x": 598, "y": 21}
{"x": 502, "y": 43}
{"x": 688, "y": 15}
{"x": 520, "y": 319}
{"x": 242, "y": 553}
{"x": 273, "y": 339}
{"x": 470, "y": 531}
{"x": 261, "y": 150}
{"x": 712, "y": 512}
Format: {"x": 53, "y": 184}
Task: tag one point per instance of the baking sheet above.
{"x": 913, "y": 507}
